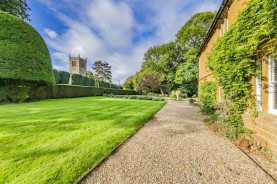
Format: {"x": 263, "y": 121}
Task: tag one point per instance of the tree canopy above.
{"x": 102, "y": 71}
{"x": 17, "y": 8}
{"x": 175, "y": 62}
{"x": 188, "y": 41}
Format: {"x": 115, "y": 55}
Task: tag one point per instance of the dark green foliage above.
{"x": 175, "y": 62}
{"x": 21, "y": 91}
{"x": 72, "y": 91}
{"x": 189, "y": 39}
{"x": 192, "y": 34}
{"x": 62, "y": 77}
{"x": 163, "y": 60}
{"x": 17, "y": 8}
{"x": 208, "y": 97}
{"x": 102, "y": 71}
{"x": 23, "y": 53}
{"x": 82, "y": 81}
{"x": 233, "y": 59}
{"x": 139, "y": 97}
{"x": 120, "y": 91}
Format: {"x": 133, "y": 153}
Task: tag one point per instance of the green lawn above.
{"x": 57, "y": 141}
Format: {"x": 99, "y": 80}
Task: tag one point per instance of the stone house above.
{"x": 264, "y": 87}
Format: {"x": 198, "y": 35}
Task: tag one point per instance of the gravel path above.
{"x": 175, "y": 147}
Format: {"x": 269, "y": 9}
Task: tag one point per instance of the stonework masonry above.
{"x": 77, "y": 65}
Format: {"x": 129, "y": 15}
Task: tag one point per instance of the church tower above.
{"x": 77, "y": 65}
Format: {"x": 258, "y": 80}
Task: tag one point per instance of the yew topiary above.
{"x": 24, "y": 55}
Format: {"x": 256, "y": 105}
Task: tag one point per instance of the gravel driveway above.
{"x": 175, "y": 147}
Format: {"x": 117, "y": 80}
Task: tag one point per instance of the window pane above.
{"x": 259, "y": 86}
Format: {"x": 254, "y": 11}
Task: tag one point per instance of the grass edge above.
{"x": 97, "y": 164}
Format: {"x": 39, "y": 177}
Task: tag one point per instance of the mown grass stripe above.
{"x": 57, "y": 141}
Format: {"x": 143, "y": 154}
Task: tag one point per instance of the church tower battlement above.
{"x": 77, "y": 65}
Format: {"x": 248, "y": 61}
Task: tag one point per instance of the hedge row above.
{"x": 27, "y": 91}
{"x": 71, "y": 91}
{"x": 138, "y": 97}
{"x": 62, "y": 77}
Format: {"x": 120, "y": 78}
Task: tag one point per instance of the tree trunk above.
{"x": 162, "y": 91}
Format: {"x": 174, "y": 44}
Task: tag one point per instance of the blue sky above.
{"x": 116, "y": 31}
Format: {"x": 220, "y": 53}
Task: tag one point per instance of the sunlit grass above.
{"x": 57, "y": 141}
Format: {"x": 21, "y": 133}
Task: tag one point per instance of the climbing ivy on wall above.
{"x": 233, "y": 59}
{"x": 208, "y": 97}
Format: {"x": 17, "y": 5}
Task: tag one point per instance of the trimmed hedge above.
{"x": 138, "y": 97}
{"x": 120, "y": 92}
{"x": 23, "y": 52}
{"x": 62, "y": 77}
{"x": 71, "y": 91}
{"x": 21, "y": 91}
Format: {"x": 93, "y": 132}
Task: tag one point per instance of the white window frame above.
{"x": 221, "y": 30}
{"x": 224, "y": 27}
{"x": 271, "y": 88}
{"x": 259, "y": 86}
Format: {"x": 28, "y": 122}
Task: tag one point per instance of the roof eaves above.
{"x": 209, "y": 31}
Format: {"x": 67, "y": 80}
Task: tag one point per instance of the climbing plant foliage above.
{"x": 233, "y": 58}
{"x": 208, "y": 97}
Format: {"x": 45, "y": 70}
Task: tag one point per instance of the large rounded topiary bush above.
{"x": 25, "y": 65}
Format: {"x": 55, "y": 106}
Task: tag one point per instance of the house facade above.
{"x": 264, "y": 86}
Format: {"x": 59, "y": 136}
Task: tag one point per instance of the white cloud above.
{"x": 106, "y": 29}
{"x": 113, "y": 21}
{"x": 51, "y": 34}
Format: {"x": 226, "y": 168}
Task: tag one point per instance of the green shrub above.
{"x": 191, "y": 101}
{"x": 139, "y": 97}
{"x": 23, "y": 53}
{"x": 25, "y": 63}
{"x": 120, "y": 92}
{"x": 172, "y": 94}
{"x": 3, "y": 93}
{"x": 71, "y": 91}
{"x": 208, "y": 97}
{"x": 38, "y": 93}
{"x": 178, "y": 94}
{"x": 18, "y": 93}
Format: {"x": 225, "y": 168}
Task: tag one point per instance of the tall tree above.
{"x": 162, "y": 59}
{"x": 17, "y": 8}
{"x": 175, "y": 64}
{"x": 102, "y": 71}
{"x": 151, "y": 81}
{"x": 188, "y": 41}
{"x": 128, "y": 84}
{"x": 89, "y": 74}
